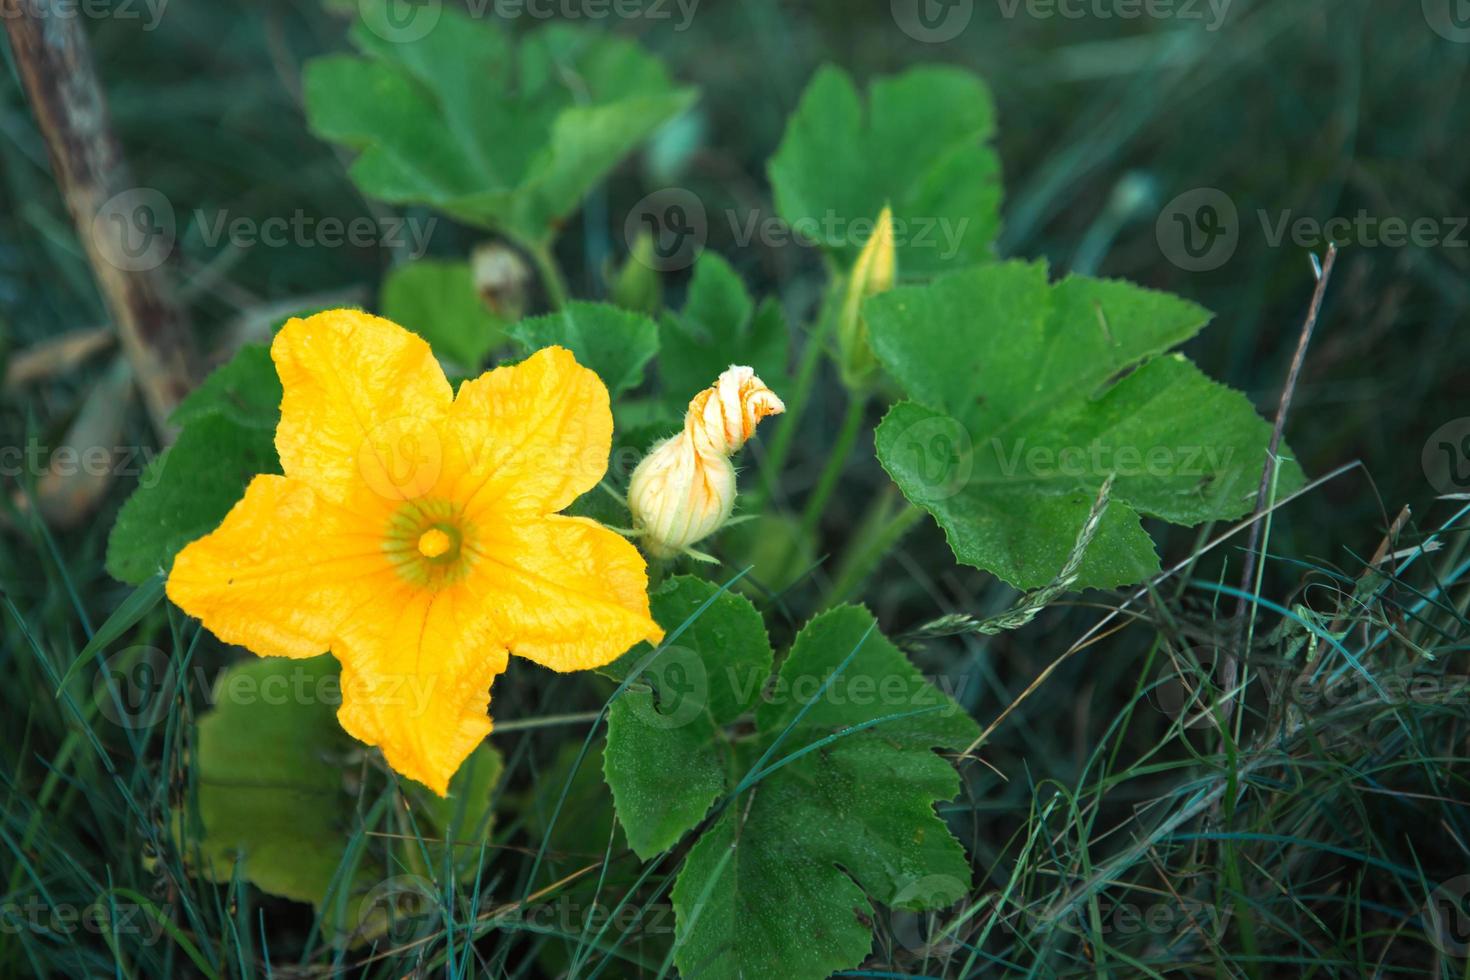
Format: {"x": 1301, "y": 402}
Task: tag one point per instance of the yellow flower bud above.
{"x": 873, "y": 273}
{"x": 684, "y": 489}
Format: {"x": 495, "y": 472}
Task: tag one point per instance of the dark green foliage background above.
{"x": 1316, "y": 107}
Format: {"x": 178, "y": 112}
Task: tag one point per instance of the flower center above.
{"x": 434, "y": 542}
{"x": 428, "y": 542}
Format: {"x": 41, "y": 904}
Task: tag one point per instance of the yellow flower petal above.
{"x": 531, "y": 437}
{"x": 411, "y": 536}
{"x": 363, "y": 400}
{"x": 416, "y": 680}
{"x": 282, "y": 571}
{"x": 566, "y": 592}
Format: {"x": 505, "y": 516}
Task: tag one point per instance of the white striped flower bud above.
{"x": 684, "y": 489}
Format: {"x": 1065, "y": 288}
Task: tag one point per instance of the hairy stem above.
{"x": 552, "y": 280}
{"x": 852, "y": 424}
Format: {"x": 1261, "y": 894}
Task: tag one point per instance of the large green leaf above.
{"x": 500, "y": 135}
{"x": 438, "y": 301}
{"x": 666, "y": 761}
{"x": 919, "y": 145}
{"x": 783, "y": 883}
{"x": 279, "y": 804}
{"x": 1027, "y": 395}
{"x": 227, "y": 437}
{"x": 616, "y": 343}
{"x": 719, "y": 325}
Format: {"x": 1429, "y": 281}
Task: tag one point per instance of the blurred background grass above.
{"x": 1314, "y": 108}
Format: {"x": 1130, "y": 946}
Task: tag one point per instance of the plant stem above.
{"x": 1243, "y": 606}
{"x": 790, "y": 422}
{"x": 552, "y": 280}
{"x": 852, "y": 423}
{"x": 875, "y": 537}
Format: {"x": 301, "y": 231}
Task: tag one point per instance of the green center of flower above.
{"x": 426, "y": 542}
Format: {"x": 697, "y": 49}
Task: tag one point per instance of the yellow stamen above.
{"x": 433, "y": 543}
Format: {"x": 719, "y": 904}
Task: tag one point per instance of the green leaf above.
{"x": 919, "y": 145}
{"x": 246, "y": 391}
{"x": 783, "y": 883}
{"x": 719, "y": 326}
{"x": 439, "y": 302}
{"x": 227, "y": 437}
{"x": 505, "y": 137}
{"x": 1027, "y": 395}
{"x": 664, "y": 761}
{"x": 277, "y": 794}
{"x": 617, "y": 344}
{"x": 271, "y": 782}
{"x": 455, "y": 826}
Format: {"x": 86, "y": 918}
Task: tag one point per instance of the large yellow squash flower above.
{"x": 415, "y": 535}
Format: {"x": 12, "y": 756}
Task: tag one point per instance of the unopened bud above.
{"x": 684, "y": 489}
{"x": 873, "y": 273}
{"x": 502, "y": 279}
{"x": 636, "y": 285}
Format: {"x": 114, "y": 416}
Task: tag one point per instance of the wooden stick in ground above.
{"x": 56, "y": 356}
{"x": 1230, "y": 661}
{"x": 127, "y": 231}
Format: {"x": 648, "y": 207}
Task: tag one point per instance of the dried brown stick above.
{"x": 1230, "y": 661}
{"x": 54, "y": 62}
{"x": 56, "y": 356}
